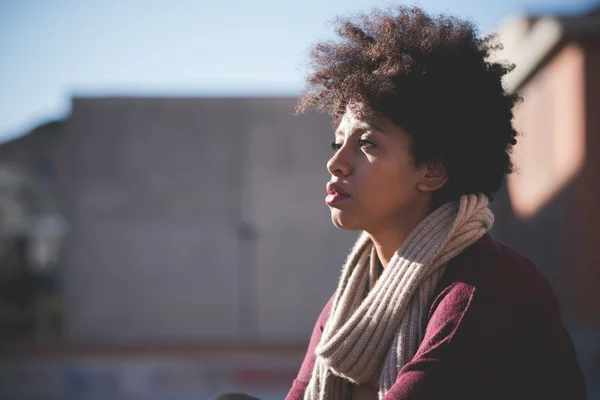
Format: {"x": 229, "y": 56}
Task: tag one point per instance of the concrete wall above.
{"x": 198, "y": 220}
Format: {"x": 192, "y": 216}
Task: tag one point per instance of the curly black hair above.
{"x": 432, "y": 76}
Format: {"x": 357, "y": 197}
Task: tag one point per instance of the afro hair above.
{"x": 430, "y": 75}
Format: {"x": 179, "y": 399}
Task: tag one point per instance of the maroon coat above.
{"x": 494, "y": 331}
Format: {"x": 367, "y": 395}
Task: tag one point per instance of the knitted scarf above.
{"x": 369, "y": 339}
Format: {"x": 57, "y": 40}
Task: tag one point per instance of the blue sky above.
{"x": 52, "y": 50}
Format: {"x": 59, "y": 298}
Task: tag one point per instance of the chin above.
{"x": 345, "y": 222}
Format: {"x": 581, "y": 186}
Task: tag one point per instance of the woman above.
{"x": 428, "y": 305}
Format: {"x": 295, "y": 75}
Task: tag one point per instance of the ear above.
{"x": 434, "y": 177}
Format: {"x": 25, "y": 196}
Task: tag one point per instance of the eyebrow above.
{"x": 364, "y": 126}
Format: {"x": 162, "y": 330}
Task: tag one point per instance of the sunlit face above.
{"x": 374, "y": 177}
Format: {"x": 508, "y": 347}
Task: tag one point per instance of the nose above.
{"x": 339, "y": 164}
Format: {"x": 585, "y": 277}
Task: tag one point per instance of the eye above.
{"x": 335, "y": 146}
{"x": 366, "y": 143}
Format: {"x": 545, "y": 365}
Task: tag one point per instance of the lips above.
{"x": 335, "y": 188}
{"x": 335, "y": 194}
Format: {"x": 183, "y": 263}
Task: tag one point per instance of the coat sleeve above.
{"x": 301, "y": 381}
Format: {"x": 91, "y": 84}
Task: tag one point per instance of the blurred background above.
{"x": 156, "y": 189}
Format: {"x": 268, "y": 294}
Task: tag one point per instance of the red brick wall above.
{"x": 550, "y": 212}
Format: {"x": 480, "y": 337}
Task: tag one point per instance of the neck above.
{"x": 389, "y": 239}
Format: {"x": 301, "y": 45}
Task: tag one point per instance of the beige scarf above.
{"x": 369, "y": 339}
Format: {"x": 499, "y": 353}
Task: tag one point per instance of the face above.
{"x": 374, "y": 180}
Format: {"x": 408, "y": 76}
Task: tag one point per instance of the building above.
{"x": 550, "y": 208}
{"x": 198, "y": 221}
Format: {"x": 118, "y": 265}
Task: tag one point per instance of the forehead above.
{"x": 350, "y": 122}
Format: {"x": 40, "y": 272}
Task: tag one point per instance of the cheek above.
{"x": 391, "y": 184}
{"x": 390, "y": 172}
